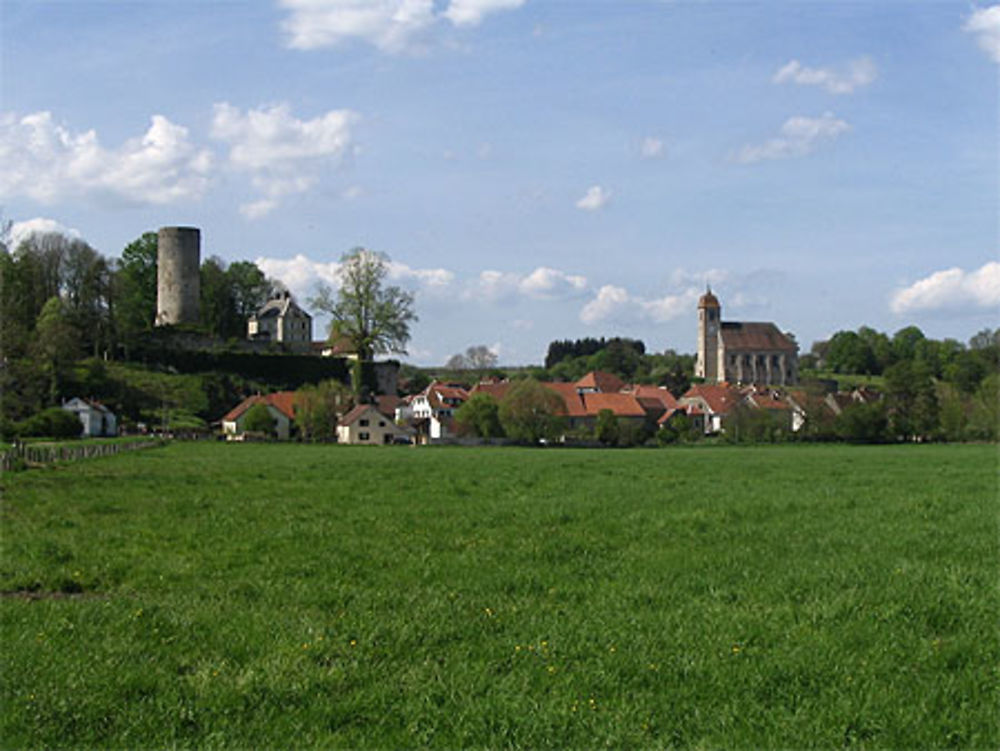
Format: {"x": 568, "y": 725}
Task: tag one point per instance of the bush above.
{"x": 53, "y": 422}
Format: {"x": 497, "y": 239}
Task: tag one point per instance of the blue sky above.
{"x": 536, "y": 169}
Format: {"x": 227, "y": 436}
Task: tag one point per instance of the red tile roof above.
{"x": 606, "y": 383}
{"x": 654, "y": 392}
{"x": 718, "y": 397}
{"x": 623, "y": 405}
{"x": 283, "y": 401}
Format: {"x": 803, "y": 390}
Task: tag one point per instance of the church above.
{"x": 742, "y": 353}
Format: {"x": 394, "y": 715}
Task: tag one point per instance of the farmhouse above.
{"x": 280, "y": 405}
{"x": 739, "y": 352}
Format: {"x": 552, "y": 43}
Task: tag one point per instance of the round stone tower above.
{"x": 178, "y": 275}
{"x": 709, "y": 315}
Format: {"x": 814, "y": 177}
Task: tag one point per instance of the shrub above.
{"x": 53, "y": 422}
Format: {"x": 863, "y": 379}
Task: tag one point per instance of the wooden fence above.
{"x": 40, "y": 453}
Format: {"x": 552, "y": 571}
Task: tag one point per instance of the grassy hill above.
{"x": 209, "y": 595}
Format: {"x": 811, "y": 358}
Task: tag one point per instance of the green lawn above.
{"x": 254, "y": 596}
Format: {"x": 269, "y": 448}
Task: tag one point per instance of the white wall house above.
{"x": 282, "y": 320}
{"x": 365, "y": 425}
{"x": 280, "y": 405}
{"x": 97, "y": 420}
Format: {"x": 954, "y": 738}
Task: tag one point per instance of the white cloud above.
{"x": 472, "y": 12}
{"x": 301, "y": 274}
{"x": 21, "y": 231}
{"x": 799, "y": 136}
{"x": 47, "y": 162}
{"x": 651, "y": 148}
{"x": 541, "y": 284}
{"x": 436, "y": 278}
{"x": 951, "y": 289}
{"x": 860, "y": 72}
{"x": 283, "y": 154}
{"x": 594, "y": 199}
{"x": 615, "y": 303}
{"x": 984, "y": 23}
{"x": 392, "y": 26}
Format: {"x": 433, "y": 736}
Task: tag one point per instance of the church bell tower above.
{"x": 709, "y": 314}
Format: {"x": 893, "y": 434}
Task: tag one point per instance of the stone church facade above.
{"x": 740, "y": 352}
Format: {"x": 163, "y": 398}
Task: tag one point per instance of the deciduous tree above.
{"x": 530, "y": 412}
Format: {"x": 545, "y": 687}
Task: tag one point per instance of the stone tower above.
{"x": 709, "y": 320}
{"x": 178, "y": 275}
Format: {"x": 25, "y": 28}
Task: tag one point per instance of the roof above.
{"x": 737, "y": 335}
{"x": 356, "y": 413}
{"x": 606, "y": 383}
{"x": 283, "y": 401}
{"x": 281, "y": 305}
{"x": 718, "y": 397}
{"x": 708, "y": 300}
{"x": 497, "y": 389}
{"x": 660, "y": 393}
{"x": 90, "y": 403}
{"x": 623, "y": 405}
{"x": 387, "y": 403}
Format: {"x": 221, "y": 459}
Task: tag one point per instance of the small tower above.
{"x": 178, "y": 275}
{"x": 709, "y": 315}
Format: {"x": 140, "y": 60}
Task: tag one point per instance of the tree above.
{"x": 480, "y": 415}
{"x": 373, "y": 317}
{"x": 55, "y": 345}
{"x": 319, "y": 407}
{"x": 260, "y": 420}
{"x": 912, "y": 399}
{"x": 530, "y": 412}
{"x": 606, "y": 429}
{"x": 134, "y": 288}
{"x": 863, "y": 423}
{"x": 848, "y": 352}
{"x": 480, "y": 357}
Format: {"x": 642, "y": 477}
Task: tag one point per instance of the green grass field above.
{"x": 255, "y": 596}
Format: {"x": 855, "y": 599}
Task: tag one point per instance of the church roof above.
{"x": 738, "y": 335}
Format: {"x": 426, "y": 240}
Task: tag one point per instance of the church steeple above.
{"x": 709, "y": 314}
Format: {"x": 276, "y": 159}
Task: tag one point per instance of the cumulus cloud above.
{"x": 47, "y": 162}
{"x": 282, "y": 154}
{"x": 951, "y": 289}
{"x": 21, "y": 231}
{"x": 595, "y": 199}
{"x": 798, "y": 137}
{"x": 651, "y": 148}
{"x": 858, "y": 73}
{"x": 984, "y": 24}
{"x": 301, "y": 274}
{"x": 392, "y": 26}
{"x": 541, "y": 284}
{"x": 615, "y": 303}
{"x": 472, "y": 12}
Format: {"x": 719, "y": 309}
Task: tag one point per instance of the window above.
{"x": 363, "y": 436}
{"x": 381, "y": 423}
{"x": 363, "y": 423}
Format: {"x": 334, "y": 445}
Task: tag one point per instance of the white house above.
{"x": 97, "y": 420}
{"x": 282, "y": 320}
{"x": 365, "y": 425}
{"x": 280, "y": 405}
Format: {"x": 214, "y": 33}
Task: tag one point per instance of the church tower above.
{"x": 709, "y": 314}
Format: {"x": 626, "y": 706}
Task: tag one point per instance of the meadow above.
{"x": 255, "y": 596}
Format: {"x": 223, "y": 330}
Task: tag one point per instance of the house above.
{"x": 282, "y": 320}
{"x": 366, "y": 425}
{"x": 97, "y": 420}
{"x": 715, "y": 401}
{"x": 280, "y": 405}
{"x": 742, "y": 352}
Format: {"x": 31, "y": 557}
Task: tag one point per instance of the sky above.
{"x": 534, "y": 169}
